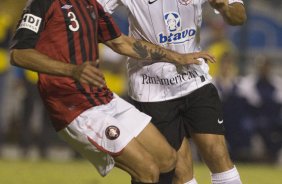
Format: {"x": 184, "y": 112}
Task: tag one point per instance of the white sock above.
{"x": 227, "y": 177}
{"x": 193, "y": 181}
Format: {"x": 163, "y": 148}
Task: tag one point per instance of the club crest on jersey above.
{"x": 185, "y": 2}
{"x": 112, "y": 132}
{"x": 30, "y": 22}
{"x": 176, "y": 34}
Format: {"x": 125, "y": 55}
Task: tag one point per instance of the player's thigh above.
{"x": 155, "y": 143}
{"x": 184, "y": 164}
{"x": 213, "y": 149}
{"x": 138, "y": 162}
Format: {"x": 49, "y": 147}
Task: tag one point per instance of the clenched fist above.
{"x": 88, "y": 73}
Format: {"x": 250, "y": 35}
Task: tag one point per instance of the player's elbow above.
{"x": 243, "y": 18}
{"x": 15, "y": 57}
{"x": 13, "y": 60}
{"x": 240, "y": 16}
{"x": 240, "y": 20}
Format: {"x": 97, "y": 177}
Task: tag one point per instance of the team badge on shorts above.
{"x": 112, "y": 132}
{"x": 184, "y": 2}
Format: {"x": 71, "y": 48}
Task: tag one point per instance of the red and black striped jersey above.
{"x": 67, "y": 31}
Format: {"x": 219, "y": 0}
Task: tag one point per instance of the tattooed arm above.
{"x": 140, "y": 49}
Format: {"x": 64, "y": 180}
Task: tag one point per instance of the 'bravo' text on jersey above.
{"x": 173, "y": 24}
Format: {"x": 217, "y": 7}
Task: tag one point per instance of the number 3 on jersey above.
{"x": 74, "y": 26}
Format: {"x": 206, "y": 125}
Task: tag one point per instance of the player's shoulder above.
{"x": 38, "y": 3}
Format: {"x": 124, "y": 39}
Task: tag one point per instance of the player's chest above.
{"x": 161, "y": 10}
{"x": 74, "y": 15}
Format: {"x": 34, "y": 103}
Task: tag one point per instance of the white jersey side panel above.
{"x": 173, "y": 24}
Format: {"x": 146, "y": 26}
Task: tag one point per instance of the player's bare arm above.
{"x": 233, "y": 14}
{"x": 140, "y": 49}
{"x": 33, "y": 60}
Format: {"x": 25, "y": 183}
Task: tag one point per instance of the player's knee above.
{"x": 183, "y": 170}
{"x": 169, "y": 162}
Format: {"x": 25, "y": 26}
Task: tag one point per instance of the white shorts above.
{"x": 103, "y": 131}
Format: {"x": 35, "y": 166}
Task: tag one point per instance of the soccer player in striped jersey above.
{"x": 59, "y": 40}
{"x": 181, "y": 99}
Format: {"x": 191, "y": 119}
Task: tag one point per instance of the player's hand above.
{"x": 192, "y": 58}
{"x": 88, "y": 73}
{"x": 219, "y": 4}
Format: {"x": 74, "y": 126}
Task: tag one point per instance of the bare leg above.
{"x": 138, "y": 163}
{"x": 146, "y": 156}
{"x": 214, "y": 151}
{"x": 155, "y": 143}
{"x": 184, "y": 165}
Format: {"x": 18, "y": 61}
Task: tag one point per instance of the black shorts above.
{"x": 198, "y": 112}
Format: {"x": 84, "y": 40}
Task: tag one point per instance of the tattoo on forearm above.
{"x": 140, "y": 49}
{"x": 157, "y": 54}
{"x": 143, "y": 52}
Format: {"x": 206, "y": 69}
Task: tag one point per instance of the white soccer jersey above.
{"x": 173, "y": 24}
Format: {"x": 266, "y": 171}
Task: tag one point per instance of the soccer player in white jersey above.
{"x": 181, "y": 99}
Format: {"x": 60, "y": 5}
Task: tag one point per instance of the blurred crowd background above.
{"x": 248, "y": 75}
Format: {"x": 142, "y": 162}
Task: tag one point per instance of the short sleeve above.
{"x": 235, "y": 1}
{"x": 110, "y": 5}
{"x": 107, "y": 28}
{"x": 230, "y": 2}
{"x": 30, "y": 25}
